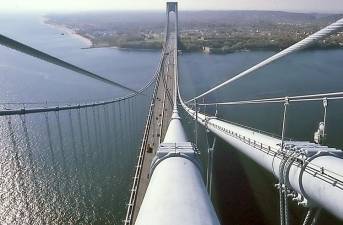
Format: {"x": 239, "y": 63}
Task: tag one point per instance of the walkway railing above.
{"x": 136, "y": 178}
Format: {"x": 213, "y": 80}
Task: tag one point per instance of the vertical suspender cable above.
{"x": 196, "y": 123}
{"x": 284, "y": 123}
{"x": 101, "y": 141}
{"x": 51, "y": 148}
{"x": 31, "y": 164}
{"x": 64, "y": 164}
{"x": 208, "y": 161}
{"x": 84, "y": 161}
{"x": 76, "y": 161}
{"x": 308, "y": 216}
{"x": 115, "y": 136}
{"x": 90, "y": 149}
{"x": 135, "y": 121}
{"x": 90, "y": 141}
{"x": 53, "y": 161}
{"x": 211, "y": 166}
{"x": 96, "y": 134}
{"x": 121, "y": 136}
{"x": 130, "y": 128}
{"x": 203, "y": 101}
{"x": 325, "y": 105}
{"x": 19, "y": 169}
{"x": 316, "y": 216}
{"x": 65, "y": 171}
{"x": 125, "y": 129}
{"x": 110, "y": 136}
{"x": 282, "y": 187}
{"x": 210, "y": 149}
{"x": 106, "y": 136}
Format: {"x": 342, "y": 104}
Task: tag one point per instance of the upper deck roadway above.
{"x": 161, "y": 114}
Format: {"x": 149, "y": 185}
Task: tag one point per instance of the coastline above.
{"x": 88, "y": 42}
{"x": 124, "y": 49}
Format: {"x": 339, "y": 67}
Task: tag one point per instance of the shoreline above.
{"x": 88, "y": 42}
{"x": 125, "y": 49}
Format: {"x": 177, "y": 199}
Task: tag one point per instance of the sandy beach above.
{"x": 68, "y": 31}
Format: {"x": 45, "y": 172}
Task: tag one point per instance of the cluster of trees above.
{"x": 127, "y": 41}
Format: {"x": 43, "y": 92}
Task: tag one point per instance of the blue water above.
{"x": 243, "y": 192}
{"x": 76, "y": 166}
{"x": 307, "y": 72}
{"x": 241, "y": 187}
{"x": 25, "y": 79}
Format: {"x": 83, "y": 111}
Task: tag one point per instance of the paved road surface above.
{"x": 161, "y": 117}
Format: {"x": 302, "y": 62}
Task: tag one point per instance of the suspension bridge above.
{"x": 167, "y": 185}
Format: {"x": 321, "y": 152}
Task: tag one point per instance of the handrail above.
{"x": 276, "y": 152}
{"x": 255, "y": 129}
{"x": 299, "y": 98}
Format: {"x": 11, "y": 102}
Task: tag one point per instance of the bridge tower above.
{"x": 172, "y": 7}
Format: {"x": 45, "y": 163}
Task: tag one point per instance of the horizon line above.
{"x": 162, "y": 11}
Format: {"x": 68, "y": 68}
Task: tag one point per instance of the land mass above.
{"x": 207, "y": 31}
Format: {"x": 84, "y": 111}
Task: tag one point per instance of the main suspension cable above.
{"x": 13, "y": 44}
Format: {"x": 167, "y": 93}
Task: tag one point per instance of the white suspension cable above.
{"x": 13, "y": 44}
{"x": 299, "y": 98}
{"x": 296, "y": 47}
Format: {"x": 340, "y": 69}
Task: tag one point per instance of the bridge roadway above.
{"x": 161, "y": 115}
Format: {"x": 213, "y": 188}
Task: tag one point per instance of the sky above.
{"x": 88, "y": 5}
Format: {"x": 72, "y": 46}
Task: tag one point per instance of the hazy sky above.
{"x": 81, "y": 5}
